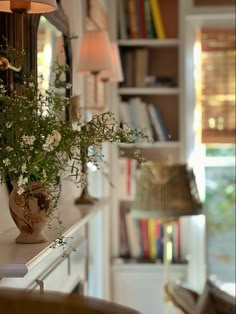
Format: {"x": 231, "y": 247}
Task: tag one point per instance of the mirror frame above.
{"x": 9, "y": 28}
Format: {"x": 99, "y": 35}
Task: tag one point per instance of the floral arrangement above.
{"x": 37, "y": 144}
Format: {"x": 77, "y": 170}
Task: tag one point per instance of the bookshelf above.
{"x": 157, "y": 59}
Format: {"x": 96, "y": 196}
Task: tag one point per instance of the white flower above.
{"x": 6, "y": 162}
{"x": 68, "y": 85}
{"x": 23, "y": 168}
{"x": 52, "y": 141}
{"x": 76, "y": 126}
{"x": 8, "y": 125}
{"x": 27, "y": 140}
{"x": 31, "y": 84}
{"x": 9, "y": 149}
{"x": 20, "y": 190}
{"x": 21, "y": 181}
{"x": 44, "y": 174}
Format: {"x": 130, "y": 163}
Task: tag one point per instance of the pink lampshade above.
{"x": 95, "y": 52}
{"x": 37, "y": 6}
{"x": 116, "y": 73}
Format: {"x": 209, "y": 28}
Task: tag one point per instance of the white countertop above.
{"x": 16, "y": 260}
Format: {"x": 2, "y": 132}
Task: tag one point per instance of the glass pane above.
{"x": 223, "y": 150}
{"x": 220, "y": 205}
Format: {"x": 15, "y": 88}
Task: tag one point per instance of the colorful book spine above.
{"x": 144, "y": 238}
{"x": 149, "y": 21}
{"x": 164, "y": 131}
{"x": 122, "y": 20}
{"x": 134, "y": 236}
{"x": 133, "y": 27}
{"x": 157, "y": 19}
{"x": 142, "y": 19}
{"x": 159, "y": 240}
{"x": 123, "y": 244}
{"x": 152, "y": 239}
{"x": 157, "y": 124}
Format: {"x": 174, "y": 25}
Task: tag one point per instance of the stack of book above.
{"x": 143, "y": 239}
{"x": 145, "y": 117}
{"x": 140, "y": 19}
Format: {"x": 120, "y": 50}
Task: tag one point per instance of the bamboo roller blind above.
{"x": 218, "y": 85}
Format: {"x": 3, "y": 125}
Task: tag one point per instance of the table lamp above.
{"x": 29, "y": 6}
{"x": 115, "y": 74}
{"x": 166, "y": 192}
{"x": 95, "y": 56}
{"x": 20, "y": 8}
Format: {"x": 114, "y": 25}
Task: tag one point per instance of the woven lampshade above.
{"x": 95, "y": 52}
{"x": 37, "y": 6}
{"x": 166, "y": 191}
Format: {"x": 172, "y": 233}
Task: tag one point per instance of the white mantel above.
{"x": 21, "y": 265}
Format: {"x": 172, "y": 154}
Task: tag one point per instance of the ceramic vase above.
{"x": 29, "y": 211}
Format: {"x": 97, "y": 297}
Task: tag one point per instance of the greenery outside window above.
{"x": 220, "y": 211}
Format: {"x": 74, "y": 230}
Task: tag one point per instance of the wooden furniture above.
{"x": 24, "y": 303}
{"x": 212, "y": 300}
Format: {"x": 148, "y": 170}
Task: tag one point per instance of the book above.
{"x": 158, "y": 123}
{"x": 123, "y": 27}
{"x": 144, "y": 238}
{"x": 149, "y": 21}
{"x": 128, "y": 66}
{"x": 132, "y": 109}
{"x": 152, "y": 238}
{"x": 157, "y": 19}
{"x": 139, "y": 116}
{"x": 132, "y": 14}
{"x": 124, "y": 113}
{"x": 162, "y": 123}
{"x": 127, "y": 177}
{"x": 141, "y": 66}
{"x": 159, "y": 240}
{"x": 134, "y": 236}
{"x": 137, "y": 15}
{"x": 123, "y": 243}
{"x": 142, "y": 19}
{"x": 138, "y": 109}
{"x": 145, "y": 121}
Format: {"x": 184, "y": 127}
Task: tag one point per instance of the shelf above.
{"x": 16, "y": 260}
{"x": 132, "y": 265}
{"x": 148, "y": 91}
{"x": 150, "y": 145}
{"x": 169, "y": 42}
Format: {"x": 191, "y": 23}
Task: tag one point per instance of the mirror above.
{"x": 50, "y": 50}
{"x": 53, "y": 44}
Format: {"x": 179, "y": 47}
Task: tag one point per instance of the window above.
{"x": 215, "y": 110}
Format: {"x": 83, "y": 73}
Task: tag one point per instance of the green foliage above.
{"x": 220, "y": 199}
{"x": 36, "y": 144}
